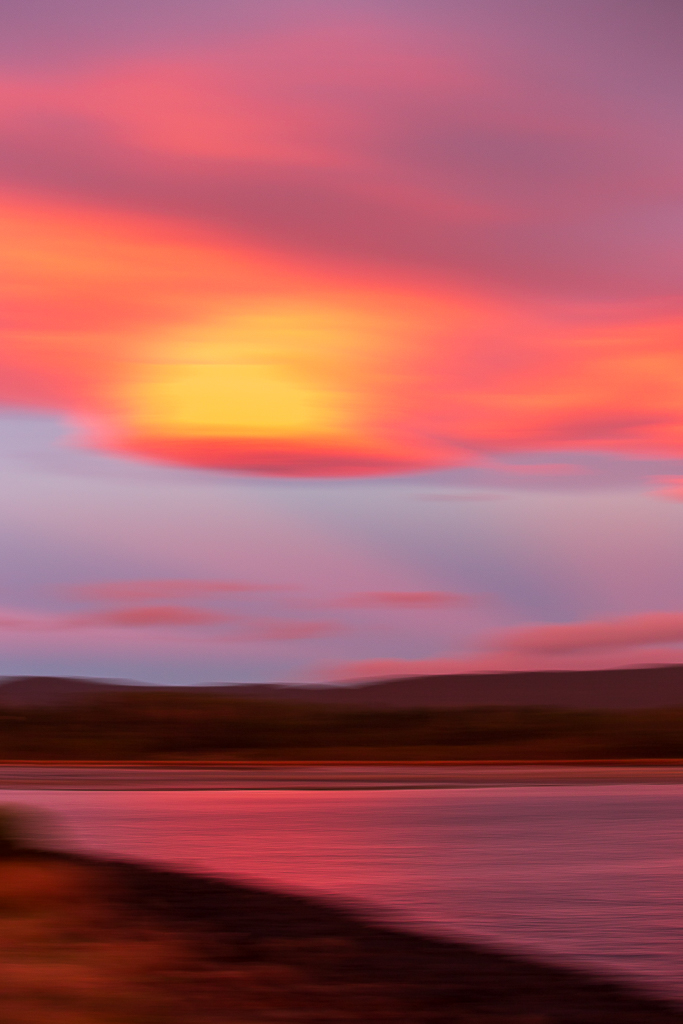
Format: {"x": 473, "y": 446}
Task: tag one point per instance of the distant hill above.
{"x": 625, "y": 688}
{"x": 49, "y": 691}
{"x": 651, "y": 687}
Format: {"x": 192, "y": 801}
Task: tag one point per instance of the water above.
{"x": 590, "y": 876}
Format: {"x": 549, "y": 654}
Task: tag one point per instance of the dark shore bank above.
{"x": 272, "y": 775}
{"x": 88, "y": 941}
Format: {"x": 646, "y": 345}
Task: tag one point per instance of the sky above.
{"x": 340, "y": 340}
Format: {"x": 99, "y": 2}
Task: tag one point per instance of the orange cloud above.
{"x": 336, "y": 387}
{"x": 248, "y": 270}
{"x": 624, "y": 632}
{"x": 163, "y": 347}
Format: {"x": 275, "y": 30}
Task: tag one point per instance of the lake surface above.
{"x": 591, "y": 876}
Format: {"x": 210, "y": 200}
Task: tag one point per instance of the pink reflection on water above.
{"x": 589, "y": 875}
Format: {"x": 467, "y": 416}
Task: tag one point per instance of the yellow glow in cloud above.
{"x": 259, "y": 373}
{"x": 280, "y": 382}
{"x": 209, "y": 399}
{"x": 283, "y": 384}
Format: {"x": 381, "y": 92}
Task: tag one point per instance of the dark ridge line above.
{"x": 599, "y": 689}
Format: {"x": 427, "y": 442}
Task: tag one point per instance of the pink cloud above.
{"x": 11, "y": 619}
{"x": 388, "y": 668}
{"x": 245, "y": 629}
{"x": 538, "y": 469}
{"x": 671, "y": 487}
{"x": 272, "y": 457}
{"x": 123, "y": 618}
{"x": 147, "y": 617}
{"x": 628, "y": 631}
{"x": 406, "y": 599}
{"x": 152, "y": 590}
{"x": 447, "y": 663}
{"x": 275, "y": 631}
{"x": 454, "y": 663}
{"x": 455, "y": 496}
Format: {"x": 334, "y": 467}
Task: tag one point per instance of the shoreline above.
{"x": 260, "y": 775}
{"x": 206, "y": 949}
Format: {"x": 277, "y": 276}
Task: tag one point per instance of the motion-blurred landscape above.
{"x": 341, "y": 505}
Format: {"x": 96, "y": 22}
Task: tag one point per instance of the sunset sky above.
{"x": 340, "y": 339}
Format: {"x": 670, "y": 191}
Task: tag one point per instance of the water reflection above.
{"x": 591, "y": 875}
